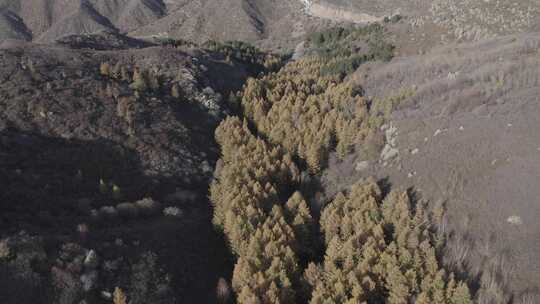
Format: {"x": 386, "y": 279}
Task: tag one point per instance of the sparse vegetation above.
{"x": 246, "y": 53}
{"x": 344, "y": 49}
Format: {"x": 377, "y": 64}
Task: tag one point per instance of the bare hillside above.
{"x": 51, "y": 19}
{"x": 13, "y": 27}
{"x": 105, "y": 158}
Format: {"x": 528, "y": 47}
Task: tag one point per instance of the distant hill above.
{"x": 13, "y": 27}
{"x": 48, "y": 20}
{"x": 276, "y": 24}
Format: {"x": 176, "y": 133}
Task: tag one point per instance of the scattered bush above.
{"x": 128, "y": 210}
{"x": 246, "y": 53}
{"x": 148, "y": 207}
{"x": 140, "y": 80}
{"x": 149, "y": 283}
{"x": 173, "y": 211}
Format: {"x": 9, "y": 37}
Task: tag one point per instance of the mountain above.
{"x": 259, "y": 151}
{"x": 51, "y": 19}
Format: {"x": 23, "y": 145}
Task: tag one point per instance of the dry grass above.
{"x": 462, "y": 77}
{"x": 475, "y": 20}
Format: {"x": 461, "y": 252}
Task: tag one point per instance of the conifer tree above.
{"x": 247, "y": 206}
{"x": 105, "y": 69}
{"x": 299, "y": 216}
{"x": 119, "y": 297}
{"x": 379, "y": 250}
{"x": 140, "y": 82}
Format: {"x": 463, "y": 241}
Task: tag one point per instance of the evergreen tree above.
{"x": 379, "y": 250}
{"x": 105, "y": 69}
{"x": 119, "y": 297}
{"x": 299, "y": 216}
{"x": 140, "y": 81}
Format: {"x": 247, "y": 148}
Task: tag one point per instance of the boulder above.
{"x": 89, "y": 280}
{"x": 91, "y": 260}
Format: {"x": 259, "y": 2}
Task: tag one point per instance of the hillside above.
{"x": 52, "y": 19}
{"x": 262, "y": 152}
{"x": 99, "y": 151}
{"x": 463, "y": 132}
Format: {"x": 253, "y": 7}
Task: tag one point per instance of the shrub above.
{"x": 173, "y": 211}
{"x": 105, "y": 69}
{"x": 107, "y": 212}
{"x": 148, "y": 207}
{"x": 140, "y": 80}
{"x": 127, "y": 210}
{"x": 116, "y": 192}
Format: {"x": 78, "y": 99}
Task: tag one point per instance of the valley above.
{"x": 286, "y": 151}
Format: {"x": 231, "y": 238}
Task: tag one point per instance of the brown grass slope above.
{"x": 465, "y": 132}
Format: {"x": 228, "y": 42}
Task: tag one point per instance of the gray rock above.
{"x": 389, "y": 153}
{"x": 108, "y": 212}
{"x": 106, "y": 295}
{"x": 91, "y": 261}
{"x": 119, "y": 242}
{"x": 111, "y": 266}
{"x": 173, "y": 211}
{"x": 89, "y": 280}
{"x": 362, "y": 165}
